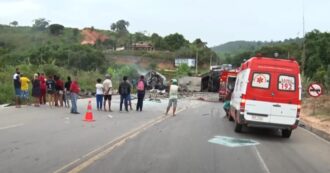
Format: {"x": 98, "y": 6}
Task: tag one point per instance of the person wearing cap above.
{"x": 107, "y": 89}
{"x": 173, "y": 96}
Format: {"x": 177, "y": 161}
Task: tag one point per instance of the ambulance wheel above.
{"x": 286, "y": 133}
{"x": 238, "y": 127}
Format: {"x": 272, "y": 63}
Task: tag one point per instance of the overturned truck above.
{"x": 155, "y": 80}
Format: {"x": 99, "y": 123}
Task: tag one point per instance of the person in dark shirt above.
{"x": 124, "y": 91}
{"x": 36, "y": 91}
{"x": 50, "y": 83}
{"x": 67, "y": 92}
{"x": 17, "y": 87}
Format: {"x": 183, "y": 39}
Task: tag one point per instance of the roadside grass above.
{"x": 322, "y": 107}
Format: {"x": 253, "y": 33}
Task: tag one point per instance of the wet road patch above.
{"x": 232, "y": 142}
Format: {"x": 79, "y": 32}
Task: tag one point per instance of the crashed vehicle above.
{"x": 155, "y": 80}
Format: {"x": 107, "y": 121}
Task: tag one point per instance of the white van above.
{"x": 267, "y": 94}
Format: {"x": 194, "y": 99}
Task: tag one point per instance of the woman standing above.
{"x": 36, "y": 91}
{"x": 99, "y": 94}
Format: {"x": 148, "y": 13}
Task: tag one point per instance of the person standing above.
{"x": 59, "y": 85}
{"x": 74, "y": 90}
{"x": 50, "y": 83}
{"x": 141, "y": 89}
{"x": 25, "y": 81}
{"x": 173, "y": 96}
{"x": 107, "y": 88}
{"x": 99, "y": 94}
{"x": 67, "y": 94}
{"x": 17, "y": 87}
{"x": 36, "y": 91}
{"x": 124, "y": 91}
{"x": 43, "y": 89}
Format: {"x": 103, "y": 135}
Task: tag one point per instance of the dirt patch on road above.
{"x": 320, "y": 118}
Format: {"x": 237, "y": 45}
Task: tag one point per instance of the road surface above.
{"x": 41, "y": 140}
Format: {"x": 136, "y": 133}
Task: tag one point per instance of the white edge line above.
{"x": 315, "y": 135}
{"x": 11, "y": 126}
{"x": 262, "y": 162}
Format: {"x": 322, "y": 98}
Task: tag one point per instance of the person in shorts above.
{"x": 50, "y": 83}
{"x": 173, "y": 96}
{"x": 36, "y": 91}
{"x": 25, "y": 81}
{"x": 67, "y": 94}
{"x": 107, "y": 88}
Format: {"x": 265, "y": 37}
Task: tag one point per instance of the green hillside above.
{"x": 237, "y": 47}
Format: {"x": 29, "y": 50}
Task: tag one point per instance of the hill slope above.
{"x": 237, "y": 47}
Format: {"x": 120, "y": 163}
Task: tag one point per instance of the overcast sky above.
{"x": 214, "y": 21}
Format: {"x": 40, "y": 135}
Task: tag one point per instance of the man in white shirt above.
{"x": 107, "y": 87}
{"x": 173, "y": 96}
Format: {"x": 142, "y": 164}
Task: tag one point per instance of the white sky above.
{"x": 214, "y": 21}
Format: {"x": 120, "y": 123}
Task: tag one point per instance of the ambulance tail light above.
{"x": 298, "y": 110}
{"x": 242, "y": 103}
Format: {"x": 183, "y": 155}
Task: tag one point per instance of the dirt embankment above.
{"x": 91, "y": 36}
{"x": 320, "y": 117}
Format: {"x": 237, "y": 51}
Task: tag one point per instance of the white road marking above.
{"x": 315, "y": 135}
{"x": 261, "y": 160}
{"x": 110, "y": 146}
{"x": 11, "y": 126}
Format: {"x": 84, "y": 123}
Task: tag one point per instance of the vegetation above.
{"x": 56, "y": 49}
{"x": 315, "y": 65}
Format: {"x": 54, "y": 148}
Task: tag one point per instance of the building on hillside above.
{"x": 142, "y": 46}
{"x": 191, "y": 62}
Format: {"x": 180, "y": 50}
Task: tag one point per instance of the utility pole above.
{"x": 303, "y": 61}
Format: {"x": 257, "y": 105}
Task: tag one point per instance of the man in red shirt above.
{"x": 42, "y": 98}
{"x": 74, "y": 90}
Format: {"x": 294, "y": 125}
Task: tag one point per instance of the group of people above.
{"x": 104, "y": 91}
{"x": 59, "y": 93}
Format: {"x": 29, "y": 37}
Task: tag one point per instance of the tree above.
{"x": 327, "y": 78}
{"x": 56, "y": 29}
{"x": 120, "y": 26}
{"x": 183, "y": 70}
{"x": 40, "y": 24}
{"x": 14, "y": 23}
{"x": 175, "y": 41}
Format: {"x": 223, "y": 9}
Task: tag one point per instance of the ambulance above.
{"x": 267, "y": 94}
{"x": 227, "y": 82}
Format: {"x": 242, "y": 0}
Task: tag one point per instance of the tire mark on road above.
{"x": 11, "y": 126}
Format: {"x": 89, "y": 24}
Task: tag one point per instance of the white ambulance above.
{"x": 267, "y": 94}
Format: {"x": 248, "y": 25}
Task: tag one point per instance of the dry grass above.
{"x": 321, "y": 117}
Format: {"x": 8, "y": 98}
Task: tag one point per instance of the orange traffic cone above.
{"x": 89, "y": 113}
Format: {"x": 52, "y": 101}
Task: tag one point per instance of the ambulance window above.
{"x": 286, "y": 83}
{"x": 261, "y": 80}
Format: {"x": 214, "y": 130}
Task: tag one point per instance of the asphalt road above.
{"x": 180, "y": 144}
{"x": 41, "y": 140}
